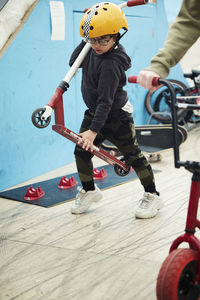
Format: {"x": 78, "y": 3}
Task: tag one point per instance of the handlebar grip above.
{"x": 133, "y": 79}
{"x": 136, "y": 2}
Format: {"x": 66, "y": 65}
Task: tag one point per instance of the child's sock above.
{"x": 151, "y": 189}
{"x": 88, "y": 185}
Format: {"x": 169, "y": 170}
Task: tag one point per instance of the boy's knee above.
{"x": 81, "y": 153}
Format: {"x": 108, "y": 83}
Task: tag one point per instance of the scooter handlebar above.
{"x": 155, "y": 81}
{"x": 136, "y": 2}
{"x": 129, "y": 3}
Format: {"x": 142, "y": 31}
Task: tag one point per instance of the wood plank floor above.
{"x": 105, "y": 254}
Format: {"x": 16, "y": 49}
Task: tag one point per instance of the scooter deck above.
{"x": 107, "y": 157}
{"x": 153, "y": 138}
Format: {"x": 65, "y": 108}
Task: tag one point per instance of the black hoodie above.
{"x": 103, "y": 78}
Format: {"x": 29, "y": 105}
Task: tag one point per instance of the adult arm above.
{"x": 182, "y": 34}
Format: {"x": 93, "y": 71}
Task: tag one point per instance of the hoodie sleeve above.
{"x": 76, "y": 52}
{"x": 107, "y": 86}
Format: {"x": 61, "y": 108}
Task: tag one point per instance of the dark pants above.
{"x": 119, "y": 129}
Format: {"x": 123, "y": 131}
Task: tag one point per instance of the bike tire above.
{"x": 153, "y": 102}
{"x": 176, "y": 278}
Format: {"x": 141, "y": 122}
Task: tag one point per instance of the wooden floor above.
{"x": 105, "y": 254}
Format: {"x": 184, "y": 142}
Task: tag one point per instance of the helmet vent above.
{"x": 102, "y": 19}
{"x": 90, "y": 14}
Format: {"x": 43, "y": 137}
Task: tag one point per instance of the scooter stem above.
{"x": 70, "y": 74}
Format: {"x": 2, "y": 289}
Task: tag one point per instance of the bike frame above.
{"x": 191, "y": 93}
{"x": 192, "y": 221}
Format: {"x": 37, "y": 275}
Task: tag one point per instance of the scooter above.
{"x": 179, "y": 275}
{"x": 41, "y": 117}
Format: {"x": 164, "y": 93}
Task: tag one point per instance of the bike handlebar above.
{"x": 155, "y": 81}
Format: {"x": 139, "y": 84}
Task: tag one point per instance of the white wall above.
{"x": 11, "y": 16}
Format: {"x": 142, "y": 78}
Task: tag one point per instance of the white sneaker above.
{"x": 148, "y": 206}
{"x": 84, "y": 199}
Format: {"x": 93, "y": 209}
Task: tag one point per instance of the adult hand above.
{"x": 86, "y": 139}
{"x": 145, "y": 78}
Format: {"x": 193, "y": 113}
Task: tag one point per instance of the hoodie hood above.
{"x": 119, "y": 55}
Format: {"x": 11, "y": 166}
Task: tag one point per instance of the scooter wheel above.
{"x": 176, "y": 279}
{"x": 37, "y": 120}
{"x": 120, "y": 171}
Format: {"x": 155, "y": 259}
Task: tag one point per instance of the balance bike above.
{"x": 179, "y": 275}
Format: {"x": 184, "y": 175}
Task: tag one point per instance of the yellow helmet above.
{"x": 102, "y": 19}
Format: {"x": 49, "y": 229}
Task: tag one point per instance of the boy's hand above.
{"x": 86, "y": 139}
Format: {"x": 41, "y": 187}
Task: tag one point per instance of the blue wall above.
{"x": 32, "y": 68}
{"x": 172, "y": 8}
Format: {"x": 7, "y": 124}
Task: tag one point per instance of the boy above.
{"x": 109, "y": 113}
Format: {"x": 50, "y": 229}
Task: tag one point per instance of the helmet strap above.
{"x": 119, "y": 38}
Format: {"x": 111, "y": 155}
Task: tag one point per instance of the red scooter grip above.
{"x": 133, "y": 79}
{"x": 136, "y": 2}
{"x": 129, "y": 3}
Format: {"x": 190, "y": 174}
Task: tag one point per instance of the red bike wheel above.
{"x": 177, "y": 275}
